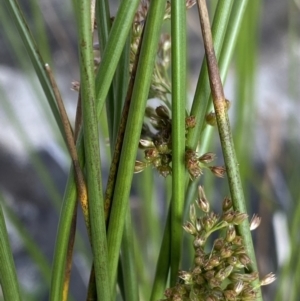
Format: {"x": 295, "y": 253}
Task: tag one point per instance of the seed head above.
{"x": 207, "y": 158}
{"x": 227, "y": 204}
{"x": 146, "y": 143}
{"x": 219, "y": 243}
{"x": 244, "y": 277}
{"x": 151, "y": 153}
{"x": 244, "y": 259}
{"x": 189, "y": 228}
{"x": 186, "y": 277}
{"x": 193, "y": 216}
{"x": 139, "y": 166}
{"x": 218, "y": 171}
{"x": 238, "y": 287}
{"x": 75, "y": 86}
{"x": 238, "y": 241}
{"x": 198, "y": 224}
{"x": 255, "y": 222}
{"x": 215, "y": 282}
{"x": 239, "y": 218}
{"x": 232, "y": 260}
{"x": 230, "y": 295}
{"x": 209, "y": 274}
{"x": 213, "y": 261}
{"x": 208, "y": 222}
{"x": 228, "y": 216}
{"x": 224, "y": 273}
{"x": 226, "y": 251}
{"x": 164, "y": 170}
{"x": 230, "y": 234}
{"x": 202, "y": 201}
{"x": 268, "y": 279}
{"x": 162, "y": 112}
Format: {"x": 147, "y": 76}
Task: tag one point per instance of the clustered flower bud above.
{"x": 217, "y": 274}
{"x": 156, "y": 142}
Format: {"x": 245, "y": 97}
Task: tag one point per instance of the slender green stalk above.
{"x": 121, "y": 85}
{"x": 92, "y": 151}
{"x": 230, "y": 159}
{"x": 163, "y": 263}
{"x": 113, "y": 49}
{"x": 8, "y": 276}
{"x": 232, "y": 32}
{"x": 132, "y": 133}
{"x": 120, "y": 137}
{"x": 178, "y": 32}
{"x": 40, "y": 30}
{"x": 117, "y": 38}
{"x": 198, "y": 110}
{"x": 35, "y": 56}
{"x": 128, "y": 264}
{"x": 103, "y": 28}
{"x": 228, "y": 47}
{"x": 201, "y": 98}
{"x": 246, "y": 56}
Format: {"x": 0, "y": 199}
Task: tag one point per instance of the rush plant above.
{"x": 138, "y": 55}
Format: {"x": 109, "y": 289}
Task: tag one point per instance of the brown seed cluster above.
{"x": 157, "y": 144}
{"x": 217, "y": 275}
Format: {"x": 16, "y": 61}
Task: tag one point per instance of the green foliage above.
{"x": 137, "y": 59}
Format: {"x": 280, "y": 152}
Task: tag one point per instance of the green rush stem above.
{"x": 34, "y": 54}
{"x": 8, "y": 276}
{"x": 128, "y": 261}
{"x": 132, "y": 133}
{"x": 110, "y": 58}
{"x": 201, "y": 98}
{"x": 230, "y": 159}
{"x": 178, "y": 34}
{"x": 103, "y": 29}
{"x": 70, "y": 140}
{"x": 80, "y": 182}
{"x": 163, "y": 263}
{"x": 120, "y": 137}
{"x": 92, "y": 151}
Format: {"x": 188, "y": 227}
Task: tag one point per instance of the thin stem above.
{"x": 80, "y": 183}
{"x": 178, "y": 31}
{"x": 120, "y": 137}
{"x": 111, "y": 55}
{"x": 201, "y": 98}
{"x": 231, "y": 163}
{"x": 128, "y": 261}
{"x": 103, "y": 29}
{"x": 132, "y": 132}
{"x": 163, "y": 263}
{"x": 8, "y": 275}
{"x": 92, "y": 151}
{"x": 36, "y": 59}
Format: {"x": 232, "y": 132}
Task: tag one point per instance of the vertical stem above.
{"x": 230, "y": 159}
{"x": 92, "y": 152}
{"x": 178, "y": 31}
{"x": 132, "y": 133}
{"x": 8, "y": 276}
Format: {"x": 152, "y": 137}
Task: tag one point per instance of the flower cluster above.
{"x": 218, "y": 274}
{"x": 157, "y": 145}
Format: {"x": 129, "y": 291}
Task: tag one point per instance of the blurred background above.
{"x": 264, "y": 90}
